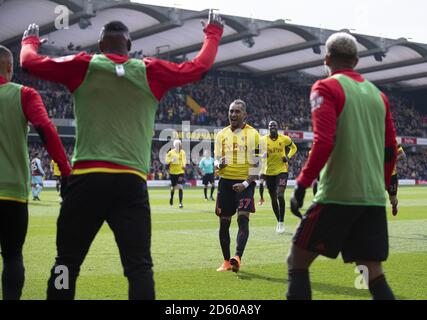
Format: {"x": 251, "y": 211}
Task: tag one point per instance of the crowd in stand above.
{"x": 414, "y": 166}
{"x": 266, "y": 99}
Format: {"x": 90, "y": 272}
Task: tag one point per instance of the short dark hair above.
{"x": 115, "y": 26}
{"x": 5, "y": 52}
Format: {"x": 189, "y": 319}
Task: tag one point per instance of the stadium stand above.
{"x": 269, "y": 64}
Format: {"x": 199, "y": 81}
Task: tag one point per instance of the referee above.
{"x": 18, "y": 106}
{"x": 355, "y": 144}
{"x": 207, "y": 167}
{"x": 115, "y": 103}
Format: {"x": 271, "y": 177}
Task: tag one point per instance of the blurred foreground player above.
{"x": 18, "y": 106}
{"x": 355, "y": 150}
{"x": 115, "y": 102}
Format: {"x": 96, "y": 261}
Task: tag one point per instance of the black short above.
{"x": 119, "y": 199}
{"x": 262, "y": 177}
{"x": 274, "y": 182}
{"x": 228, "y": 201}
{"x": 208, "y": 178}
{"x": 177, "y": 179}
{"x": 13, "y": 228}
{"x": 359, "y": 232}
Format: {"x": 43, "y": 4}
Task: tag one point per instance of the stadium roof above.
{"x": 258, "y": 47}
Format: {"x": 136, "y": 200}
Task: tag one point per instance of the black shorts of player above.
{"x": 274, "y": 182}
{"x": 262, "y": 177}
{"x": 392, "y": 188}
{"x": 176, "y": 179}
{"x": 208, "y": 178}
{"x": 358, "y": 232}
{"x": 91, "y": 199}
{"x": 229, "y": 201}
{"x": 13, "y": 228}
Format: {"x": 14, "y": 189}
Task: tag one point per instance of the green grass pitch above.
{"x": 186, "y": 253}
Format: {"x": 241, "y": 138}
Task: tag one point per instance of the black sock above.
{"x": 172, "y": 194}
{"x": 380, "y": 289}
{"x": 13, "y": 278}
{"x": 141, "y": 287}
{"x": 212, "y": 191}
{"x": 181, "y": 195}
{"x": 281, "y": 208}
{"x": 261, "y": 190}
{"x": 224, "y": 237}
{"x": 275, "y": 206}
{"x": 299, "y": 287}
{"x": 205, "y": 190}
{"x": 57, "y": 186}
{"x": 242, "y": 235}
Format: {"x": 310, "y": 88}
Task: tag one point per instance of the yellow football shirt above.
{"x": 274, "y": 151}
{"x": 176, "y": 161}
{"x": 56, "y": 171}
{"x": 240, "y": 149}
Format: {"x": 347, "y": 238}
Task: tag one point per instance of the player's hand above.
{"x": 297, "y": 200}
{"x": 213, "y": 18}
{"x": 239, "y": 187}
{"x": 394, "y": 203}
{"x": 64, "y": 184}
{"x": 285, "y": 158}
{"x": 33, "y": 30}
{"x": 222, "y": 163}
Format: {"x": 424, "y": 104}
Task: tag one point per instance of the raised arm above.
{"x": 163, "y": 75}
{"x": 69, "y": 71}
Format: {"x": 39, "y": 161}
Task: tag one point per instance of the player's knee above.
{"x": 225, "y": 220}
{"x": 280, "y": 193}
{"x": 273, "y": 195}
{"x": 242, "y": 215}
{"x": 374, "y": 268}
